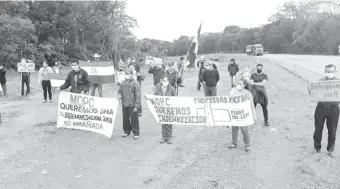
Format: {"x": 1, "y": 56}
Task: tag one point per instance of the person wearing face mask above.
{"x": 210, "y": 78}
{"x": 77, "y": 79}
{"x": 129, "y": 92}
{"x": 172, "y": 75}
{"x": 258, "y": 81}
{"x": 164, "y": 89}
{"x": 328, "y": 111}
{"x": 44, "y": 79}
{"x": 236, "y": 91}
{"x": 233, "y": 69}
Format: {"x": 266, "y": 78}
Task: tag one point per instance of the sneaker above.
{"x": 331, "y": 154}
{"x": 136, "y": 137}
{"x": 181, "y": 85}
{"x": 125, "y": 135}
{"x": 247, "y": 149}
{"x": 169, "y": 141}
{"x": 45, "y": 101}
{"x": 51, "y": 101}
{"x": 266, "y": 124}
{"x": 232, "y": 146}
{"x": 162, "y": 141}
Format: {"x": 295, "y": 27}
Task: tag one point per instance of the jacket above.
{"x": 210, "y": 77}
{"x": 50, "y": 71}
{"x": 172, "y": 77}
{"x": 170, "y": 90}
{"x": 158, "y": 73}
{"x": 78, "y": 81}
{"x": 233, "y": 69}
{"x": 130, "y": 93}
{"x": 3, "y": 75}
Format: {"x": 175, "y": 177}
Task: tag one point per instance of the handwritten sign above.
{"x": 26, "y": 67}
{"x": 202, "y": 111}
{"x": 82, "y": 112}
{"x": 325, "y": 91}
{"x": 150, "y": 60}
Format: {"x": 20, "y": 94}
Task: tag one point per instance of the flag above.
{"x": 193, "y": 50}
{"x": 98, "y": 73}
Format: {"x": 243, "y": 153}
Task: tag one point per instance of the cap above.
{"x": 232, "y": 60}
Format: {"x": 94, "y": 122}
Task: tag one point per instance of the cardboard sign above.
{"x": 325, "y": 91}
{"x": 88, "y": 113}
{"x": 26, "y": 67}
{"x": 202, "y": 111}
{"x": 150, "y": 60}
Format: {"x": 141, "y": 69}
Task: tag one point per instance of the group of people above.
{"x": 251, "y": 81}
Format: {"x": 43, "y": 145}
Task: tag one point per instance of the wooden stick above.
{"x": 20, "y": 82}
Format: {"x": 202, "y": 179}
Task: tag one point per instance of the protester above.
{"x": 164, "y": 89}
{"x": 77, "y": 79}
{"x": 172, "y": 75}
{"x": 200, "y": 62}
{"x": 236, "y": 91}
{"x": 158, "y": 73}
{"x": 129, "y": 92}
{"x": 258, "y": 81}
{"x": 328, "y": 111}
{"x": 98, "y": 86}
{"x": 210, "y": 78}
{"x": 25, "y": 80}
{"x": 3, "y": 79}
{"x": 181, "y": 71}
{"x": 233, "y": 69}
{"x": 44, "y": 79}
{"x": 200, "y": 65}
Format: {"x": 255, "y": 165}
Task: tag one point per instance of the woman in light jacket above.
{"x": 165, "y": 89}
{"x": 44, "y": 79}
{"x": 240, "y": 90}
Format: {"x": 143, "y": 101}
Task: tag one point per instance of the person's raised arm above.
{"x": 67, "y": 82}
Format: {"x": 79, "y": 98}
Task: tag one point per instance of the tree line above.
{"x": 77, "y": 30}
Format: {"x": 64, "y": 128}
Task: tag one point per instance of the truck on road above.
{"x": 255, "y": 50}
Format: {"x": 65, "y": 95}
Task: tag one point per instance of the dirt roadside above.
{"x": 199, "y": 158}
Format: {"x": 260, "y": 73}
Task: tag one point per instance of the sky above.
{"x": 169, "y": 19}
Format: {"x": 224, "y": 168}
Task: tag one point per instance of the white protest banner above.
{"x": 150, "y": 60}
{"x": 78, "y": 111}
{"x": 325, "y": 91}
{"x": 203, "y": 111}
{"x": 26, "y": 67}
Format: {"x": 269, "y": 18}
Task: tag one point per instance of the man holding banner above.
{"x": 164, "y": 89}
{"x": 77, "y": 79}
{"x": 326, "y": 110}
{"x": 129, "y": 93}
{"x": 237, "y": 91}
{"x": 25, "y": 79}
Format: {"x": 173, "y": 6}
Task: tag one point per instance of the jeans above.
{"x": 330, "y": 114}
{"x": 100, "y": 89}
{"x": 167, "y": 131}
{"x": 4, "y": 89}
{"x": 46, "y": 85}
{"x": 210, "y": 91}
{"x": 25, "y": 80}
{"x": 265, "y": 111}
{"x": 232, "y": 78}
{"x": 245, "y": 133}
{"x": 130, "y": 121}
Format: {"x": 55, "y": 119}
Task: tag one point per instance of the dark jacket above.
{"x": 157, "y": 73}
{"x": 233, "y": 69}
{"x": 130, "y": 93}
{"x": 78, "y": 81}
{"x": 210, "y": 77}
{"x": 3, "y": 75}
{"x": 172, "y": 77}
{"x": 170, "y": 90}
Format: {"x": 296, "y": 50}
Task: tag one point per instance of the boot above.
{"x": 169, "y": 141}
{"x": 163, "y": 140}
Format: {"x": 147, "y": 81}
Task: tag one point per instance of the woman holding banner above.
{"x": 164, "y": 89}
{"x": 236, "y": 91}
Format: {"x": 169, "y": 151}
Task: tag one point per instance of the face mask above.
{"x": 127, "y": 77}
{"x": 75, "y": 68}
{"x": 330, "y": 75}
{"x": 259, "y": 70}
{"x": 165, "y": 83}
{"x": 23, "y": 61}
{"x": 239, "y": 87}
{"x": 246, "y": 69}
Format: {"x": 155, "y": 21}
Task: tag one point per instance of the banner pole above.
{"x": 20, "y": 83}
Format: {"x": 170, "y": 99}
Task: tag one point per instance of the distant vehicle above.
{"x": 256, "y": 49}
